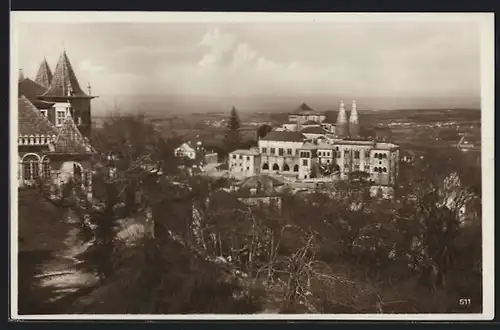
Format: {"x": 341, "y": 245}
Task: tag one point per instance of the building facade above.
{"x": 312, "y": 153}
{"x": 54, "y": 126}
{"x": 245, "y": 162}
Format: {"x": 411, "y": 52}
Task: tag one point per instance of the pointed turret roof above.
{"x": 70, "y": 140}
{"x": 21, "y": 75}
{"x": 44, "y": 74}
{"x": 64, "y": 82}
{"x": 31, "y": 121}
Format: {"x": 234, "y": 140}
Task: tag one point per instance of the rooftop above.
{"x": 311, "y": 122}
{"x": 284, "y": 136}
{"x": 64, "y": 82}
{"x": 386, "y": 146}
{"x": 309, "y": 146}
{"x": 31, "y": 121}
{"x": 262, "y": 181}
{"x": 325, "y": 146}
{"x": 31, "y": 90}
{"x": 304, "y": 109}
{"x": 356, "y": 142}
{"x": 313, "y": 130}
{"x": 247, "y": 152}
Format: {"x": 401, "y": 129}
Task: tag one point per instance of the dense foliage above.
{"x": 204, "y": 250}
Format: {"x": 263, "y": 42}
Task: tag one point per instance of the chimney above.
{"x": 354, "y": 121}
{"x": 342, "y": 125}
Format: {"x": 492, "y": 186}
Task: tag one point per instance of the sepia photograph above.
{"x": 251, "y": 166}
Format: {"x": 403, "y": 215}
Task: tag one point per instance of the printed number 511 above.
{"x": 464, "y": 302}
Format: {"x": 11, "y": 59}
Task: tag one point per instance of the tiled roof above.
{"x": 31, "y": 121}
{"x": 303, "y": 108}
{"x": 247, "y": 152}
{"x": 44, "y": 74}
{"x": 70, "y": 140}
{"x": 313, "y": 130}
{"x": 31, "y": 90}
{"x": 329, "y": 121}
{"x": 261, "y": 181}
{"x": 284, "y": 136}
{"x": 310, "y": 122}
{"x": 64, "y": 80}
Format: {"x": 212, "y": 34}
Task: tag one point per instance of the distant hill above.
{"x": 175, "y": 104}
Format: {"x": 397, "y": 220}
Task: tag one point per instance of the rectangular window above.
{"x": 241, "y": 157}
{"x": 248, "y": 157}
{"x": 234, "y": 156}
{"x": 60, "y": 116}
{"x": 248, "y": 168}
{"x": 264, "y": 150}
{"x": 281, "y": 151}
{"x": 273, "y": 151}
{"x": 304, "y": 162}
{"x": 367, "y": 153}
{"x": 289, "y": 151}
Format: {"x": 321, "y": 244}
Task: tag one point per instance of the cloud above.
{"x": 89, "y": 67}
{"x": 225, "y": 51}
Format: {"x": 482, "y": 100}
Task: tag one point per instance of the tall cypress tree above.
{"x": 234, "y": 120}
{"x": 232, "y": 138}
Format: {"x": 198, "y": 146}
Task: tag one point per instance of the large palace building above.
{"x": 310, "y": 147}
{"x": 54, "y": 127}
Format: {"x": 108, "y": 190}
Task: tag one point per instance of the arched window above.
{"x": 265, "y": 166}
{"x": 380, "y": 156}
{"x": 296, "y": 168}
{"x": 375, "y": 155}
{"x": 384, "y": 156}
{"x": 46, "y": 167}
{"x": 31, "y": 167}
{"x": 384, "y": 170}
{"x": 356, "y": 154}
{"x": 276, "y": 167}
{"x": 77, "y": 172}
{"x": 286, "y": 168}
{"x": 375, "y": 169}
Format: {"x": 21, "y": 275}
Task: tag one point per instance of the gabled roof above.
{"x": 70, "y": 140}
{"x": 31, "y": 90}
{"x": 304, "y": 109}
{"x": 284, "y": 136}
{"x": 313, "y": 130}
{"x": 44, "y": 74}
{"x": 64, "y": 81}
{"x": 31, "y": 121}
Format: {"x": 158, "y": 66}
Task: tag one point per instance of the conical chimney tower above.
{"x": 342, "y": 126}
{"x": 354, "y": 121}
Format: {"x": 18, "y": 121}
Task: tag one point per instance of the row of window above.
{"x": 281, "y": 151}
{"x": 380, "y": 169}
{"x": 380, "y": 156}
{"x": 276, "y": 167}
{"x": 240, "y": 157}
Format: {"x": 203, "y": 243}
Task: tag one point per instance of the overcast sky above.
{"x": 372, "y": 59}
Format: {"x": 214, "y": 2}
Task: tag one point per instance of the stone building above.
{"x": 54, "y": 127}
